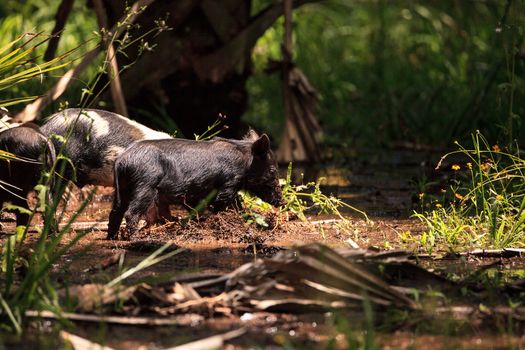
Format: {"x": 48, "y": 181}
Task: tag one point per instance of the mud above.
{"x": 385, "y": 186}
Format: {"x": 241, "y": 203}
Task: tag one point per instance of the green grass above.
{"x": 423, "y": 72}
{"x": 487, "y": 201}
{"x": 300, "y": 200}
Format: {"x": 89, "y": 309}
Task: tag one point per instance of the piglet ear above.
{"x": 261, "y": 146}
{"x": 251, "y": 135}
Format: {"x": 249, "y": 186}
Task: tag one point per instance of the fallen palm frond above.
{"x": 311, "y": 275}
{"x": 308, "y": 277}
{"x": 213, "y": 342}
{"x": 300, "y": 280}
{"x": 79, "y": 343}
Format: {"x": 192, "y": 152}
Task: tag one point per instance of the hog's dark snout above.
{"x": 273, "y": 195}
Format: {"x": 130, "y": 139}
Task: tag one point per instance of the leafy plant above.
{"x": 308, "y": 197}
{"x": 298, "y": 199}
{"x": 213, "y": 130}
{"x": 34, "y": 290}
{"x": 17, "y": 65}
{"x": 487, "y": 203}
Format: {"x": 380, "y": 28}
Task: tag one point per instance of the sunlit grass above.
{"x": 487, "y": 201}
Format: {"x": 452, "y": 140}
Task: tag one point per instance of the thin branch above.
{"x": 32, "y": 110}
{"x": 114, "y": 76}
{"x": 64, "y": 9}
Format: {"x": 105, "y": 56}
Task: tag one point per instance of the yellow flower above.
{"x": 485, "y": 166}
{"x": 421, "y": 195}
{"x": 438, "y": 205}
{"x": 469, "y": 165}
{"x": 458, "y": 196}
{"x": 496, "y": 148}
{"x": 499, "y": 197}
{"x": 456, "y": 167}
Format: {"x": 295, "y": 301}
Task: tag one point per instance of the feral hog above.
{"x": 161, "y": 172}
{"x": 19, "y": 176}
{"x": 95, "y": 138}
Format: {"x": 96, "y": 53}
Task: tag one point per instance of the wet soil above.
{"x": 383, "y": 185}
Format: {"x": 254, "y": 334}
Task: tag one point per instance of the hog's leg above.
{"x": 142, "y": 198}
{"x": 226, "y": 195}
{"x": 164, "y": 210}
{"x": 120, "y": 205}
{"x": 115, "y": 218}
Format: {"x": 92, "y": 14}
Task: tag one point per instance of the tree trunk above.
{"x": 198, "y": 69}
{"x": 174, "y": 73}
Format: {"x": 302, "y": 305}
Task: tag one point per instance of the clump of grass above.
{"x": 487, "y": 201}
{"x": 34, "y": 289}
{"x": 212, "y": 130}
{"x": 308, "y": 197}
{"x": 299, "y": 200}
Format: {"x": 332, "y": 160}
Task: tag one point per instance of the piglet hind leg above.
{"x": 120, "y": 205}
{"x": 158, "y": 212}
{"x": 115, "y": 218}
{"x": 142, "y": 199}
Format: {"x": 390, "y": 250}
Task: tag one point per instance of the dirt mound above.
{"x": 229, "y": 226}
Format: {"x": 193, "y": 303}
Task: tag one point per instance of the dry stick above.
{"x": 64, "y": 9}
{"x": 114, "y": 76}
{"x": 32, "y": 110}
{"x": 213, "y": 342}
{"x": 79, "y": 343}
{"x": 185, "y": 319}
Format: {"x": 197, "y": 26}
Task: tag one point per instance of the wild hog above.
{"x": 18, "y": 177}
{"x": 95, "y": 138}
{"x": 186, "y": 171}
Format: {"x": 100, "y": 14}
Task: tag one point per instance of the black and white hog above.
{"x": 161, "y": 172}
{"x": 95, "y": 138}
{"x": 19, "y": 176}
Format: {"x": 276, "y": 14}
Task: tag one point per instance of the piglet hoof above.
{"x": 111, "y": 237}
{"x": 112, "y": 234}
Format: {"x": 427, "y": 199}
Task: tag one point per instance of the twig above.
{"x": 79, "y": 343}
{"x": 64, "y": 9}
{"x": 114, "y": 76}
{"x": 213, "y": 342}
{"x": 182, "y": 320}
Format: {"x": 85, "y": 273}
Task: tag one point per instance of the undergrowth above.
{"x": 486, "y": 201}
{"x": 25, "y": 265}
{"x": 299, "y": 200}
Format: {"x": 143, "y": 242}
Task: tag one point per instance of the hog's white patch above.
{"x": 100, "y": 126}
{"x": 149, "y": 134}
{"x": 104, "y": 176}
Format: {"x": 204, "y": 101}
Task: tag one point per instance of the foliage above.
{"x": 35, "y": 290}
{"x": 487, "y": 201}
{"x": 38, "y": 16}
{"x": 308, "y": 197}
{"x": 423, "y": 72}
{"x": 213, "y": 130}
{"x": 299, "y": 200}
{"x": 18, "y": 66}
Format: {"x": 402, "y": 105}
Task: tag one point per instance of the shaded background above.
{"x": 410, "y": 74}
